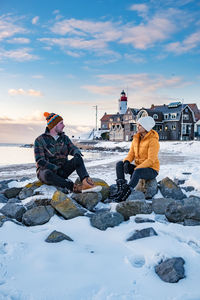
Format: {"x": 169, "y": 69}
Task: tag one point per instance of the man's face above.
{"x": 59, "y": 127}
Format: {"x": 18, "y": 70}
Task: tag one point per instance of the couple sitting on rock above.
{"x": 53, "y": 167}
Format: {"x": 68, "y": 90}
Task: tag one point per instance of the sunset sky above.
{"x": 68, "y": 56}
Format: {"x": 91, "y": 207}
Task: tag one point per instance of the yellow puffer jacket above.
{"x": 144, "y": 151}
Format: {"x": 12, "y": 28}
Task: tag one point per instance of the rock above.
{"x": 143, "y": 220}
{"x": 13, "y": 210}
{"x": 190, "y": 222}
{"x": 188, "y": 208}
{"x": 179, "y": 181}
{"x": 148, "y": 187}
{"x": 4, "y": 184}
{"x": 105, "y": 187}
{"x": 139, "y": 234}
{"x": 135, "y": 195}
{"x": 186, "y": 173}
{"x": 38, "y": 215}
{"x": 171, "y": 270}
{"x": 159, "y": 205}
{"x": 14, "y": 200}
{"x": 104, "y": 219}
{"x": 57, "y": 236}
{"x": 3, "y": 219}
{"x": 132, "y": 208}
{"x": 66, "y": 206}
{"x": 3, "y": 199}
{"x": 87, "y": 200}
{"x": 188, "y": 188}
{"x": 112, "y": 190}
{"x": 170, "y": 189}
{"x": 29, "y": 189}
{"x": 37, "y": 202}
{"x": 12, "y": 192}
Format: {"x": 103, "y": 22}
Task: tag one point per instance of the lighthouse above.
{"x": 123, "y": 103}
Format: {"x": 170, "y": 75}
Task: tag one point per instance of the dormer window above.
{"x": 155, "y": 116}
{"x": 166, "y": 116}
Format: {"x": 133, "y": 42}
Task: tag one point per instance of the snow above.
{"x": 102, "y": 265}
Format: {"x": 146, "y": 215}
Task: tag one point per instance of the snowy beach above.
{"x": 101, "y": 265}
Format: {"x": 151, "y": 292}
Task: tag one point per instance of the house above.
{"x": 116, "y": 128}
{"x": 178, "y": 121}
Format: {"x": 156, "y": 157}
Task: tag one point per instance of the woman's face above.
{"x": 140, "y": 129}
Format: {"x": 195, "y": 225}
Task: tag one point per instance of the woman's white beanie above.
{"x": 146, "y": 122}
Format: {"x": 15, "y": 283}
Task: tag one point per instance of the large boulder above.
{"x": 170, "y": 189}
{"x": 188, "y": 208}
{"x": 132, "y": 208}
{"x": 171, "y": 270}
{"x": 104, "y": 219}
{"x": 143, "y": 233}
{"x": 159, "y": 205}
{"x": 29, "y": 189}
{"x": 13, "y": 210}
{"x": 4, "y": 184}
{"x": 148, "y": 187}
{"x": 38, "y": 215}
{"x": 3, "y": 199}
{"x": 66, "y": 206}
{"x": 87, "y": 200}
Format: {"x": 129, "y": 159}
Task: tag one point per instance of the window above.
{"x": 111, "y": 119}
{"x": 173, "y": 116}
{"x": 158, "y": 127}
{"x": 165, "y": 116}
{"x": 118, "y": 119}
{"x": 155, "y": 117}
{"x": 166, "y": 127}
{"x": 173, "y": 127}
{"x": 133, "y": 127}
{"x": 185, "y": 117}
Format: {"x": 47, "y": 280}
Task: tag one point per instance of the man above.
{"x": 144, "y": 152}
{"x": 51, "y": 151}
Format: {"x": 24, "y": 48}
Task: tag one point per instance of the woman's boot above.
{"x": 123, "y": 195}
{"x": 120, "y": 183}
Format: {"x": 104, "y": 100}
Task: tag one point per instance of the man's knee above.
{"x": 46, "y": 176}
{"x": 78, "y": 161}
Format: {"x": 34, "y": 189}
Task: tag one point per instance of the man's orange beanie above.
{"x": 52, "y": 119}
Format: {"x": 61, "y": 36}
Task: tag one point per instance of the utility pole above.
{"x": 96, "y": 107}
{"x": 182, "y": 122}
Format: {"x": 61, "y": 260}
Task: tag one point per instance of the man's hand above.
{"x": 126, "y": 167}
{"x": 78, "y": 153}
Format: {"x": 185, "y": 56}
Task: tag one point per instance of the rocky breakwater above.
{"x": 34, "y": 204}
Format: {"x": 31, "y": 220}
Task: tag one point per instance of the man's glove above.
{"x": 127, "y": 167}
{"x": 77, "y": 153}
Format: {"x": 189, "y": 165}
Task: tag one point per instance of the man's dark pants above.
{"x": 58, "y": 179}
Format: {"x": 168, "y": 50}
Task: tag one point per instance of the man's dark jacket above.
{"x": 50, "y": 153}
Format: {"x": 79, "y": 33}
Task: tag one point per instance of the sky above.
{"x": 67, "y": 57}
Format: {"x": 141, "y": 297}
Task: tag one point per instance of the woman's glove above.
{"x": 127, "y": 167}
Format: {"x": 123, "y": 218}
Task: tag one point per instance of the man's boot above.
{"x": 89, "y": 186}
{"x": 123, "y": 195}
{"x": 120, "y": 183}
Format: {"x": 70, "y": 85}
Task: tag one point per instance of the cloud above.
{"x": 141, "y": 9}
{"x": 190, "y": 43}
{"x": 144, "y": 36}
{"x": 135, "y": 58}
{"x": 35, "y": 20}
{"x": 38, "y": 76}
{"x": 31, "y": 92}
{"x": 19, "y": 41}
{"x": 20, "y": 55}
{"x": 8, "y": 28}
{"x": 100, "y": 90}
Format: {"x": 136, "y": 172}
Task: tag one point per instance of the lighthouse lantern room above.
{"x": 123, "y": 103}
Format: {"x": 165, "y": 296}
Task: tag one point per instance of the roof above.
{"x": 106, "y": 117}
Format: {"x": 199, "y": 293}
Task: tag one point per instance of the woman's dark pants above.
{"x": 142, "y": 173}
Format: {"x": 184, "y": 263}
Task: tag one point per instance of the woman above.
{"x": 144, "y": 152}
